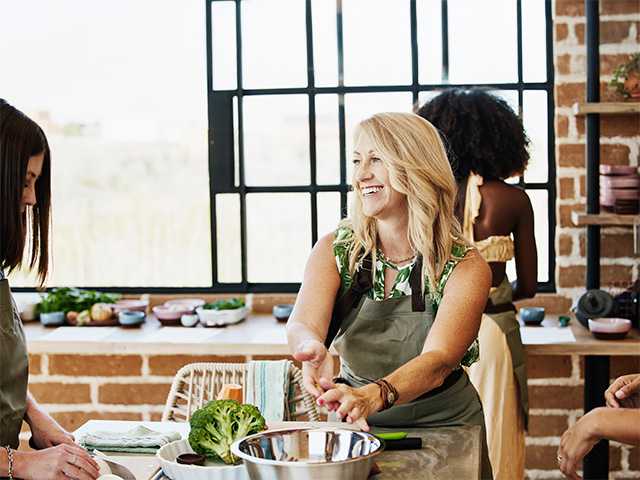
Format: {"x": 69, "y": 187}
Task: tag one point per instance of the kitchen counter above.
{"x": 449, "y": 453}
{"x": 262, "y": 335}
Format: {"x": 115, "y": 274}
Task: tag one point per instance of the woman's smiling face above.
{"x": 371, "y": 179}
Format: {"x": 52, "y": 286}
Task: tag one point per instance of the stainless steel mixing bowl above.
{"x": 308, "y": 453}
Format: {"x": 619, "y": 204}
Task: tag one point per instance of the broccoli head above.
{"x": 219, "y": 423}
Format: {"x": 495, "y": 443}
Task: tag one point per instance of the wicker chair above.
{"x": 197, "y": 383}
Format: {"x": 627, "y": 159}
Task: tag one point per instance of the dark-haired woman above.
{"x": 24, "y": 220}
{"x": 487, "y": 144}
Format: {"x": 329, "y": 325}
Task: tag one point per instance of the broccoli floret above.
{"x": 218, "y": 424}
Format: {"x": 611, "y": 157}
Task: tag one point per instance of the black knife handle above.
{"x": 409, "y": 443}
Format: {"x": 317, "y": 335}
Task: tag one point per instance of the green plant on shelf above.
{"x": 626, "y": 78}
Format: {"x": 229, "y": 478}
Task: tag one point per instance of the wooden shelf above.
{"x": 604, "y": 108}
{"x": 604, "y": 219}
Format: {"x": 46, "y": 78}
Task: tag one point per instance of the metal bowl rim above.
{"x": 235, "y": 448}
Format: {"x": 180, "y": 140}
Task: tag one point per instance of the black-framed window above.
{"x": 288, "y": 80}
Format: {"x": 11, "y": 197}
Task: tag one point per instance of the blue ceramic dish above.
{"x": 52, "y": 319}
{"x": 282, "y": 312}
{"x": 130, "y": 318}
{"x": 532, "y": 316}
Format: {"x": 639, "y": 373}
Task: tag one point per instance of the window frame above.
{"x": 221, "y": 141}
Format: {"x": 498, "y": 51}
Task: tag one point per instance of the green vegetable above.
{"x": 230, "y": 304}
{"x": 391, "y": 435}
{"x": 73, "y": 299}
{"x": 218, "y": 424}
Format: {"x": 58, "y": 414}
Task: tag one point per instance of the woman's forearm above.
{"x": 618, "y": 424}
{"x": 420, "y": 375}
{"x": 299, "y": 333}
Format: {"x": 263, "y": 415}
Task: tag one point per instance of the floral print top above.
{"x": 401, "y": 286}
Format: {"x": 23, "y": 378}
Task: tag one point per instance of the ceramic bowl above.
{"x": 170, "y": 313}
{"x": 187, "y": 303}
{"x": 52, "y": 319}
{"x": 282, "y": 312}
{"x": 532, "y": 316}
{"x": 189, "y": 320}
{"x": 220, "y": 318}
{"x": 130, "y": 318}
{"x": 168, "y": 454}
{"x": 609, "y": 328}
{"x": 135, "y": 305}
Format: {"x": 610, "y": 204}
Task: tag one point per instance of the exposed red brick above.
{"x": 134, "y": 393}
{"x": 582, "y": 181}
{"x": 580, "y": 29}
{"x": 583, "y": 244}
{"x": 95, "y": 365}
{"x": 570, "y": 8}
{"x": 565, "y": 213}
{"x": 563, "y": 64}
{"x": 618, "y": 7}
{"x": 155, "y": 416}
{"x": 608, "y": 63}
{"x": 73, "y": 420}
{"x": 573, "y": 276}
{"x": 567, "y": 189}
{"x": 562, "y": 32}
{"x": 544, "y": 366}
{"x": 616, "y": 32}
{"x": 541, "y": 457}
{"x": 547, "y": 425}
{"x": 616, "y": 246}
{"x": 263, "y": 303}
{"x": 620, "y": 126}
{"x": 562, "y": 126}
{"x": 170, "y": 364}
{"x": 555, "y": 396}
{"x": 565, "y": 244}
{"x": 569, "y": 93}
{"x": 35, "y": 364}
{"x": 61, "y": 392}
{"x": 573, "y": 154}
{"x": 634, "y": 459}
{"x": 552, "y": 303}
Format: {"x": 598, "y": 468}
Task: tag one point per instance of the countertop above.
{"x": 448, "y": 453}
{"x": 262, "y": 335}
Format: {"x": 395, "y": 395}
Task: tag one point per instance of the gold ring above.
{"x": 559, "y": 457}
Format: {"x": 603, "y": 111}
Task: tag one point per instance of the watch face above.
{"x": 391, "y": 397}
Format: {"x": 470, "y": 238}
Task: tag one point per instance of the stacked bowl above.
{"x": 620, "y": 189}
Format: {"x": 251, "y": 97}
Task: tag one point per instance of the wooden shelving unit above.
{"x": 604, "y": 219}
{"x": 606, "y": 108}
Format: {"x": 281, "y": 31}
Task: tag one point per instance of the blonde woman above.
{"x": 396, "y": 289}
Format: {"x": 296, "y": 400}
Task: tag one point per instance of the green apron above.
{"x": 508, "y": 323}
{"x": 378, "y": 337}
{"x": 14, "y": 369}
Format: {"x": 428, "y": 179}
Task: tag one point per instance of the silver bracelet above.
{"x": 9, "y": 461}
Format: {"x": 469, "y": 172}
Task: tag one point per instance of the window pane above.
{"x": 509, "y": 96}
{"x": 126, "y": 118}
{"x": 534, "y": 41}
{"x": 223, "y": 45}
{"x": 274, "y": 46}
{"x": 228, "y": 238}
{"x": 424, "y": 97}
{"x": 535, "y": 123}
{"x": 276, "y": 139}
{"x": 429, "y": 16}
{"x": 328, "y": 212}
{"x": 325, "y": 43}
{"x": 359, "y": 106}
{"x": 540, "y": 204}
{"x": 482, "y": 41}
{"x": 377, "y": 42}
{"x": 327, "y": 140}
{"x": 277, "y": 245}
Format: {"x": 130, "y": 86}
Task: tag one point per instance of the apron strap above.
{"x": 362, "y": 283}
{"x": 417, "y": 298}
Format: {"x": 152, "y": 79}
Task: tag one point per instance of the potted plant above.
{"x": 626, "y": 78}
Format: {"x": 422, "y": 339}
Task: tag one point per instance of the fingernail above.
{"x": 320, "y": 401}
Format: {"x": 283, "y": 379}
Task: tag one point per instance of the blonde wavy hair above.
{"x": 413, "y": 153}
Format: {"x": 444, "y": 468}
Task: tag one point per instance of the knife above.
{"x": 116, "y": 468}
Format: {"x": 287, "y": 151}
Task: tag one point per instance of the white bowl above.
{"x": 175, "y": 471}
{"x": 609, "y": 328}
{"x": 218, "y": 318}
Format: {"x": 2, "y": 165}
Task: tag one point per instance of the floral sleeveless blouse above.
{"x": 401, "y": 286}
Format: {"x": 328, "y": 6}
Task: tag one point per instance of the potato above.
{"x": 101, "y": 312}
{"x": 72, "y": 316}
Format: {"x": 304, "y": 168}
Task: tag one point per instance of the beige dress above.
{"x": 500, "y": 373}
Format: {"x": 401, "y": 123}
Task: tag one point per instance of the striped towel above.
{"x": 267, "y": 387}
{"x": 137, "y": 440}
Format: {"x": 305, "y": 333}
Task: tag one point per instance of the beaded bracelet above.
{"x": 9, "y": 461}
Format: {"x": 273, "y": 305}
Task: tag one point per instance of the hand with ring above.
{"x": 61, "y": 462}
{"x": 575, "y": 443}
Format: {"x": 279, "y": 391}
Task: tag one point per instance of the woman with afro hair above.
{"x": 487, "y": 144}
